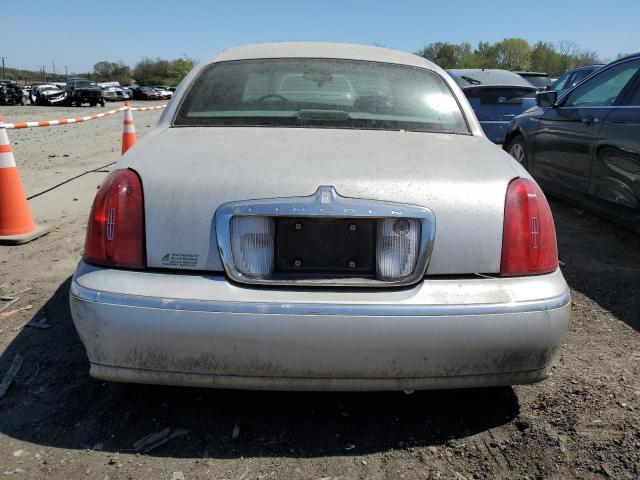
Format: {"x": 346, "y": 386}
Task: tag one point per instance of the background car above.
{"x": 163, "y": 93}
{"x": 301, "y": 243}
{"x": 47, "y": 94}
{"x": 540, "y": 80}
{"x": 571, "y": 78}
{"x": 145, "y": 93}
{"x": 496, "y": 96}
{"x": 81, "y": 90}
{"x": 585, "y": 146}
{"x": 110, "y": 94}
{"x": 10, "y": 93}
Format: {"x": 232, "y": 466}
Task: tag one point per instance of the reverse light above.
{"x": 252, "y": 242}
{"x": 529, "y": 236}
{"x": 397, "y": 248}
{"x": 115, "y": 234}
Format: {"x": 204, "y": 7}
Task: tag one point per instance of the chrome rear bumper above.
{"x": 185, "y": 329}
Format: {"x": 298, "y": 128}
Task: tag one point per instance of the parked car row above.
{"x": 582, "y": 142}
{"x": 579, "y": 137}
{"x": 498, "y": 96}
{"x": 76, "y": 92}
{"x": 151, "y": 93}
{"x": 115, "y": 93}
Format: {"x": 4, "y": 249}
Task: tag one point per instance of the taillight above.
{"x": 529, "y": 236}
{"x": 115, "y": 235}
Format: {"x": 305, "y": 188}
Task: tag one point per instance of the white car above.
{"x": 257, "y": 241}
{"x": 164, "y": 93}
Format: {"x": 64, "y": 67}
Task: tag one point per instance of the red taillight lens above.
{"x": 115, "y": 235}
{"x": 529, "y": 236}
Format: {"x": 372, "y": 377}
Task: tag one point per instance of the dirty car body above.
{"x": 310, "y": 238}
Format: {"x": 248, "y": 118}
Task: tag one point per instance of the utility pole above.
{"x": 53, "y": 63}
{"x": 66, "y": 73}
{"x": 3, "y": 59}
{"x": 44, "y": 73}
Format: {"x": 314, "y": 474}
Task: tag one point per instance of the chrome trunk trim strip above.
{"x": 326, "y": 202}
{"x": 356, "y": 310}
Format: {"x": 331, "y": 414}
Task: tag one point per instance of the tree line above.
{"x": 147, "y": 71}
{"x": 515, "y": 54}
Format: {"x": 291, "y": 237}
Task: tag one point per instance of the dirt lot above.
{"x": 57, "y": 423}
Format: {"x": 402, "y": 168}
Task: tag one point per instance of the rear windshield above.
{"x": 330, "y": 93}
{"x": 500, "y": 95}
{"x": 500, "y": 103}
{"x": 538, "y": 81}
{"x": 85, "y": 84}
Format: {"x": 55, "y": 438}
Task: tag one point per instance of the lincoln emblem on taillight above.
{"x": 111, "y": 223}
{"x": 534, "y": 233}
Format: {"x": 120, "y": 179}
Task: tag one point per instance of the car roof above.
{"x": 627, "y": 57}
{"x": 487, "y": 77}
{"x": 595, "y": 65}
{"x": 533, "y": 74}
{"x": 346, "y": 51}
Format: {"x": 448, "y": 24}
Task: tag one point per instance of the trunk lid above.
{"x": 188, "y": 172}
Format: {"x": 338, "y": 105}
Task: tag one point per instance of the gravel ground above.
{"x": 57, "y": 423}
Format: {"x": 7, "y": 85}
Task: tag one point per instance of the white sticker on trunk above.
{"x": 180, "y": 260}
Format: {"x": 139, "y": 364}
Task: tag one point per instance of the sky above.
{"x": 70, "y": 34}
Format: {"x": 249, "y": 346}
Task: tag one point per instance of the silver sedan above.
{"x": 321, "y": 217}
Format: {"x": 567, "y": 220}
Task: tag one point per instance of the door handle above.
{"x": 589, "y": 120}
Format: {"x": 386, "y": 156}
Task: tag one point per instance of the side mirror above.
{"x": 546, "y": 99}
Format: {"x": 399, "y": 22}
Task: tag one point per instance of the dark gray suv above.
{"x": 81, "y": 90}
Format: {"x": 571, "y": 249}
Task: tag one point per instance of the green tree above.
{"x": 545, "y": 58}
{"x": 162, "y": 72}
{"x": 179, "y": 68}
{"x": 152, "y": 72}
{"x": 112, "y": 72}
{"x": 446, "y": 55}
{"x": 486, "y": 55}
{"x": 513, "y": 54}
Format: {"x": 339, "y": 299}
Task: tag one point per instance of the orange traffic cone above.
{"x": 128, "y": 130}
{"x": 16, "y": 223}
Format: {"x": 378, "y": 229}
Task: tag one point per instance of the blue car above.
{"x": 573, "y": 77}
{"x": 496, "y": 97}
